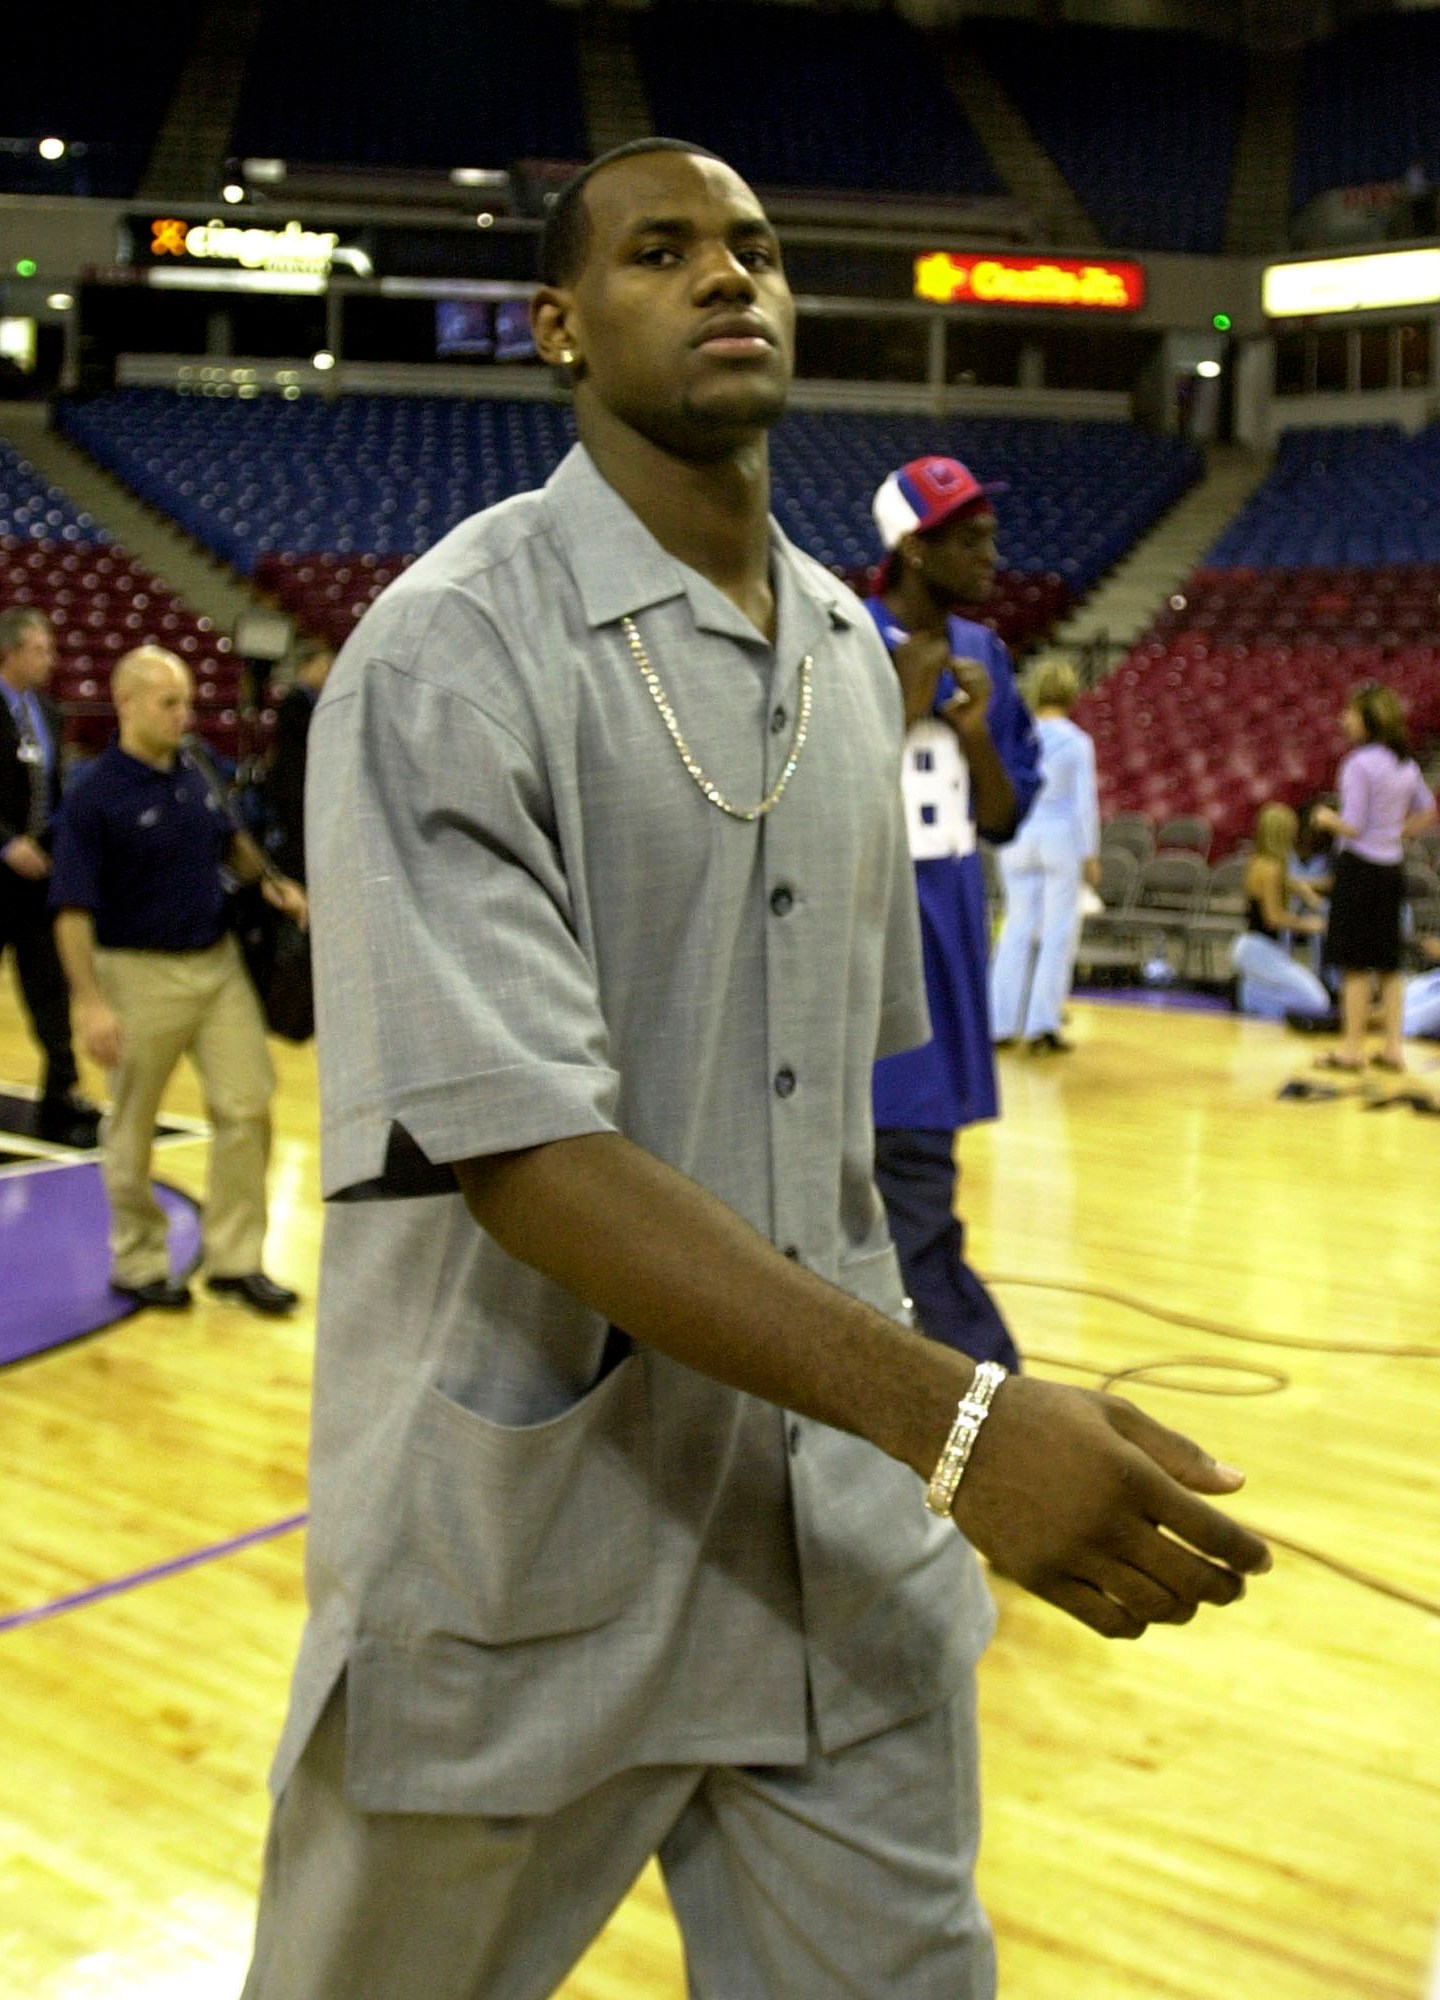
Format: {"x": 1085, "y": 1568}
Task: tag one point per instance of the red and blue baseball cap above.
{"x": 925, "y": 494}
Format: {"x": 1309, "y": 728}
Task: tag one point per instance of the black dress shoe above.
{"x": 1050, "y": 1044}
{"x": 165, "y": 1294}
{"x": 256, "y": 1290}
{"x": 68, "y": 1121}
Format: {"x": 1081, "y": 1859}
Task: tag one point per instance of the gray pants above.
{"x": 850, "y": 1877}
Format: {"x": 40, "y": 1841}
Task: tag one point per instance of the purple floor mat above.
{"x": 18, "y": 1111}
{"x": 55, "y": 1257}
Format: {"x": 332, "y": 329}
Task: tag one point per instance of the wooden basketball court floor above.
{"x": 1247, "y": 1808}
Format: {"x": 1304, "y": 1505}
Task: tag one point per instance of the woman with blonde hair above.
{"x": 1272, "y": 981}
{"x": 1384, "y": 802}
{"x": 1056, "y": 849}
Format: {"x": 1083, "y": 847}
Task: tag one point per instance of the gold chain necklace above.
{"x": 707, "y": 785}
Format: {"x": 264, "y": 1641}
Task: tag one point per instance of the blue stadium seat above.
{"x": 106, "y": 106}
{"x": 31, "y": 510}
{"x": 1369, "y": 105}
{"x": 389, "y": 475}
{"x": 1351, "y": 494}
{"x": 446, "y": 85}
{"x": 856, "y": 103}
{"x": 1142, "y": 123}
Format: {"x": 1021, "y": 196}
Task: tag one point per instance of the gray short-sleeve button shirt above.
{"x": 539, "y": 1552}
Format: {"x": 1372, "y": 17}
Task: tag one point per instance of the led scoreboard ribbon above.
{"x": 1075, "y": 284}
{"x": 1364, "y": 283}
{"x": 291, "y": 249}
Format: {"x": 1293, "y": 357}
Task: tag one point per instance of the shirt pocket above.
{"x": 516, "y": 1532}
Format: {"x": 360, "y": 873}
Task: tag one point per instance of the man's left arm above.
{"x": 248, "y": 863}
{"x": 998, "y": 737}
{"x": 992, "y": 795}
{"x": 1010, "y": 729}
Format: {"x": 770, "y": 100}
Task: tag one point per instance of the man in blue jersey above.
{"x": 971, "y": 766}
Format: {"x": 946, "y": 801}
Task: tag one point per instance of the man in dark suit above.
{"x": 29, "y": 794}
{"x": 285, "y": 778}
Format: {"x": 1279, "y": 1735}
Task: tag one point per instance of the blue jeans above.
{"x": 1272, "y": 983}
{"x": 1422, "y": 1006}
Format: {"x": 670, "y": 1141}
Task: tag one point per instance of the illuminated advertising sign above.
{"x": 291, "y": 251}
{"x": 1351, "y": 284}
{"x": 1073, "y": 284}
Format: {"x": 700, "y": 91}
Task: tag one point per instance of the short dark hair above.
{"x": 565, "y": 239}
{"x": 15, "y": 621}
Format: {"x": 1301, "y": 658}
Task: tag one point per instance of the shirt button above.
{"x": 792, "y": 1438}
{"x": 792, "y": 1253}
{"x": 778, "y": 720}
{"x": 782, "y": 900}
{"x": 785, "y": 1082}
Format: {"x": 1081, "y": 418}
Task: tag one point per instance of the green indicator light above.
{"x": 1221, "y": 322}
{"x": 26, "y": 267}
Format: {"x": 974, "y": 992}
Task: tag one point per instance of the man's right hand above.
{"x": 919, "y": 661}
{"x": 98, "y": 1028}
{"x": 26, "y": 857}
{"x": 1078, "y": 1496}
{"x": 1087, "y": 1502}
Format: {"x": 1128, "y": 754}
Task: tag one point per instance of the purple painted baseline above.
{"x": 97, "y": 1591}
{"x": 1179, "y": 999}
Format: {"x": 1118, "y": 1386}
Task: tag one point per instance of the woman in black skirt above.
{"x": 1384, "y": 802}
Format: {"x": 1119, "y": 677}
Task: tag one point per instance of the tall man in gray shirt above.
{"x": 618, "y": 1546}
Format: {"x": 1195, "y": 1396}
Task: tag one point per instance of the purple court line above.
{"x": 1180, "y": 999}
{"x": 97, "y": 1591}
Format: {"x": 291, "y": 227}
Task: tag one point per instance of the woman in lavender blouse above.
{"x": 1384, "y": 802}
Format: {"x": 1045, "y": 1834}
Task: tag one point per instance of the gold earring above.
{"x": 567, "y": 357}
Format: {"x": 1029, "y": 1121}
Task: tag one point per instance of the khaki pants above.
{"x": 200, "y": 1004}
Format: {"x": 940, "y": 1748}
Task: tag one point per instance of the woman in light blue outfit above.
{"x": 1056, "y": 850}
{"x": 1273, "y": 982}
{"x": 1421, "y": 1013}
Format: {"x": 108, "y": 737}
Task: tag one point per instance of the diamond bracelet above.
{"x": 973, "y": 1409}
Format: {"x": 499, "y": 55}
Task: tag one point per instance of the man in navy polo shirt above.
{"x": 155, "y": 973}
